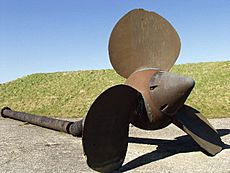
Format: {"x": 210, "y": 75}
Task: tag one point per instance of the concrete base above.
{"x": 28, "y": 148}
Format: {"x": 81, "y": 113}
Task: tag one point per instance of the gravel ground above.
{"x": 28, "y": 148}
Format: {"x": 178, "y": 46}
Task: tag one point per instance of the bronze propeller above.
{"x": 143, "y": 47}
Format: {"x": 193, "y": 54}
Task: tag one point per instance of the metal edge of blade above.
{"x": 126, "y": 61}
{"x": 106, "y": 126}
{"x": 197, "y": 126}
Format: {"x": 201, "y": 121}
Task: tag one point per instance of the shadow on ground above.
{"x": 166, "y": 148}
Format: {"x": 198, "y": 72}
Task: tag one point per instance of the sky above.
{"x": 41, "y": 36}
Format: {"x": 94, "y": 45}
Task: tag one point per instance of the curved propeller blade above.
{"x": 106, "y": 126}
{"x": 143, "y": 39}
{"x": 197, "y": 126}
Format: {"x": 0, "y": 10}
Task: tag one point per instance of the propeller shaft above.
{"x": 74, "y": 128}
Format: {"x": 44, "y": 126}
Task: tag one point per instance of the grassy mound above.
{"x": 70, "y": 94}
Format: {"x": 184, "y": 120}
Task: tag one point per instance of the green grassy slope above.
{"x": 70, "y": 94}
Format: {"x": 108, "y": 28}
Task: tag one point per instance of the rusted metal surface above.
{"x": 143, "y": 39}
{"x": 74, "y": 128}
{"x": 169, "y": 91}
{"x": 197, "y": 126}
{"x": 152, "y": 118}
{"x": 106, "y": 127}
{"x": 164, "y": 95}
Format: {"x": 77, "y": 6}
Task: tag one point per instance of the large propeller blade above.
{"x": 106, "y": 127}
{"x": 197, "y": 126}
{"x": 143, "y": 39}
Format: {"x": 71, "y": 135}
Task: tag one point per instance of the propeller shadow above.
{"x": 166, "y": 148}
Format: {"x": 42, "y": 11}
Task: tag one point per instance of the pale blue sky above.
{"x": 39, "y": 36}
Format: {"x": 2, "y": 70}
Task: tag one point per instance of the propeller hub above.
{"x": 151, "y": 118}
{"x": 164, "y": 93}
{"x": 169, "y": 91}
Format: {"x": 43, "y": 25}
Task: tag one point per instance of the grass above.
{"x": 70, "y": 94}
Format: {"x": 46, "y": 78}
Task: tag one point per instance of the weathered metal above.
{"x": 74, "y": 128}
{"x": 105, "y": 134}
{"x": 143, "y": 39}
{"x": 197, "y": 126}
{"x": 169, "y": 91}
{"x": 164, "y": 94}
{"x": 143, "y": 46}
{"x": 106, "y": 127}
{"x": 153, "y": 118}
